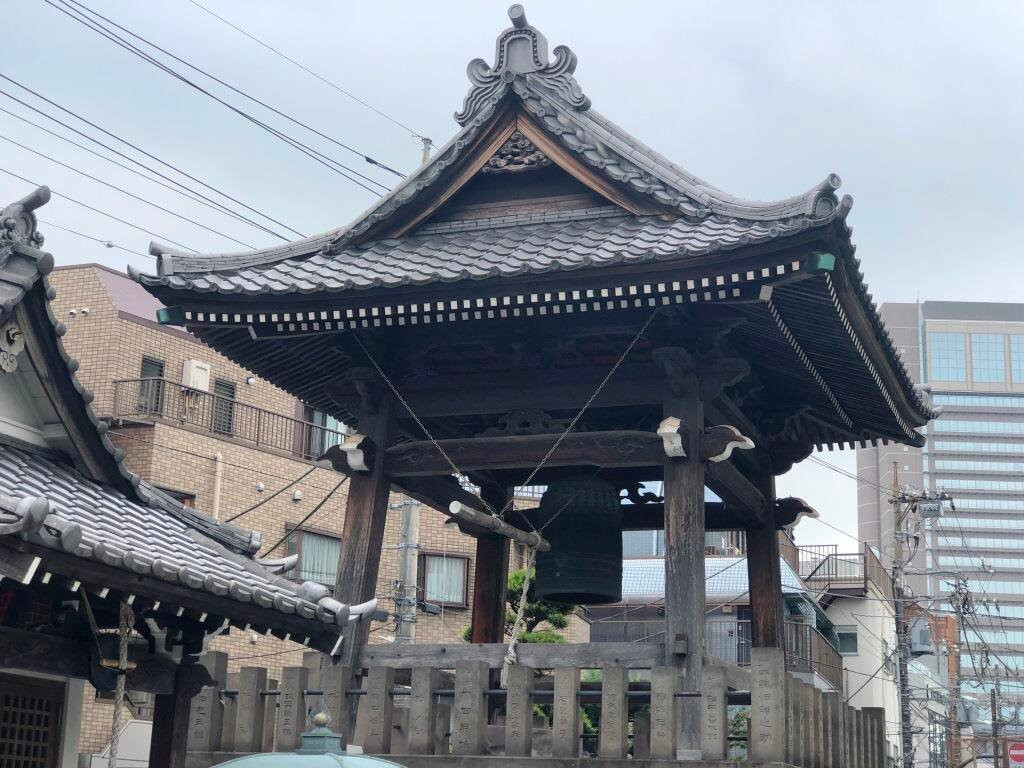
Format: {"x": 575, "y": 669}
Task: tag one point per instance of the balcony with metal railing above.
{"x": 835, "y": 573}
{"x": 161, "y": 399}
{"x": 808, "y": 652}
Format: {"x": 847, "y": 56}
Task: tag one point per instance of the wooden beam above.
{"x": 735, "y": 489}
{"x": 536, "y": 655}
{"x": 621, "y": 448}
{"x": 500, "y": 527}
{"x": 718, "y": 516}
{"x": 68, "y": 657}
{"x": 362, "y": 536}
{"x": 633, "y": 384}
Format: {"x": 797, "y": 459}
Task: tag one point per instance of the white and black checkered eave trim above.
{"x": 732, "y": 286}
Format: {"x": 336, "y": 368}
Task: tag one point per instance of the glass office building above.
{"x": 972, "y": 357}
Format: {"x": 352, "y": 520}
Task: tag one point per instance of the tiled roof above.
{"x": 467, "y": 252}
{"x": 109, "y": 527}
{"x": 117, "y": 518}
{"x": 549, "y": 94}
{"x": 724, "y": 577}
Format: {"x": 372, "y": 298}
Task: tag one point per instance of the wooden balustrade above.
{"x": 408, "y": 706}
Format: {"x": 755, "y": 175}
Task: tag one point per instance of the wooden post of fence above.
{"x": 714, "y": 743}
{"x": 792, "y": 721}
{"x": 205, "y": 716}
{"x": 229, "y": 712}
{"x": 379, "y": 710}
{"x": 860, "y": 727}
{"x": 269, "y": 717}
{"x": 442, "y": 727}
{"x": 869, "y": 739}
{"x": 423, "y": 710}
{"x": 291, "y": 709}
{"x": 807, "y": 724}
{"x": 565, "y": 718}
{"x": 663, "y": 711}
{"x": 768, "y": 705}
{"x": 850, "y": 738}
{"x": 249, "y": 706}
{"x": 833, "y": 703}
{"x": 819, "y": 730}
{"x": 470, "y": 708}
{"x": 877, "y": 717}
{"x": 335, "y": 682}
{"x": 641, "y": 735}
{"x": 519, "y": 712}
{"x": 614, "y": 715}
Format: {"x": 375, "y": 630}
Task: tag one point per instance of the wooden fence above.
{"x": 423, "y": 700}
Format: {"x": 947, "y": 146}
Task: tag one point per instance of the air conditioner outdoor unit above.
{"x": 921, "y": 638}
{"x": 195, "y": 374}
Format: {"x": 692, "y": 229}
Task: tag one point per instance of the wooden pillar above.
{"x": 764, "y": 576}
{"x": 171, "y": 719}
{"x": 362, "y": 535}
{"x": 490, "y": 577}
{"x": 684, "y": 545}
{"x": 877, "y": 718}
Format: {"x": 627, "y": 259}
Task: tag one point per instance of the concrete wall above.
{"x": 872, "y": 615}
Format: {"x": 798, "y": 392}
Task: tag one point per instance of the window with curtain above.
{"x": 318, "y": 556}
{"x": 443, "y": 580}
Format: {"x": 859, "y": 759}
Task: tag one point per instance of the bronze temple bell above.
{"x": 582, "y": 519}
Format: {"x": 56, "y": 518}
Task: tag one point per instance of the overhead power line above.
{"x": 123, "y": 191}
{"x": 325, "y": 160}
{"x": 318, "y": 76}
{"x": 138, "y": 149}
{"x": 195, "y": 197}
{"x": 100, "y": 240}
{"x": 97, "y": 210}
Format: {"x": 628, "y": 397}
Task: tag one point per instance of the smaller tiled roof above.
{"x": 724, "y": 577}
{"x": 464, "y": 251}
{"x": 40, "y": 495}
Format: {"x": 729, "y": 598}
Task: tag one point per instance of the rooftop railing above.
{"x": 148, "y": 399}
{"x": 826, "y": 569}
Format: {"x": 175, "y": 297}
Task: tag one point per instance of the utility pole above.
{"x": 995, "y": 727}
{"x": 405, "y": 586}
{"x": 957, "y": 600}
{"x": 906, "y": 737}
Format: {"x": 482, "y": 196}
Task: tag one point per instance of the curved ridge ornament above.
{"x": 521, "y": 50}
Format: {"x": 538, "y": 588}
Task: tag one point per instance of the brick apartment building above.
{"x": 228, "y": 450}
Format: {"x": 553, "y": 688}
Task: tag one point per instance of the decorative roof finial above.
{"x": 521, "y": 51}
{"x": 18, "y": 222}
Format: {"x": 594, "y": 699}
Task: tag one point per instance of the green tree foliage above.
{"x": 536, "y": 613}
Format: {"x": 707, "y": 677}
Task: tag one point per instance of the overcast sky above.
{"x": 917, "y": 106}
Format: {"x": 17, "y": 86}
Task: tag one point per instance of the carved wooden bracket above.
{"x": 789, "y": 510}
{"x": 689, "y": 374}
{"x": 717, "y": 443}
{"x": 358, "y": 451}
{"x": 368, "y": 385}
{"x": 672, "y": 432}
